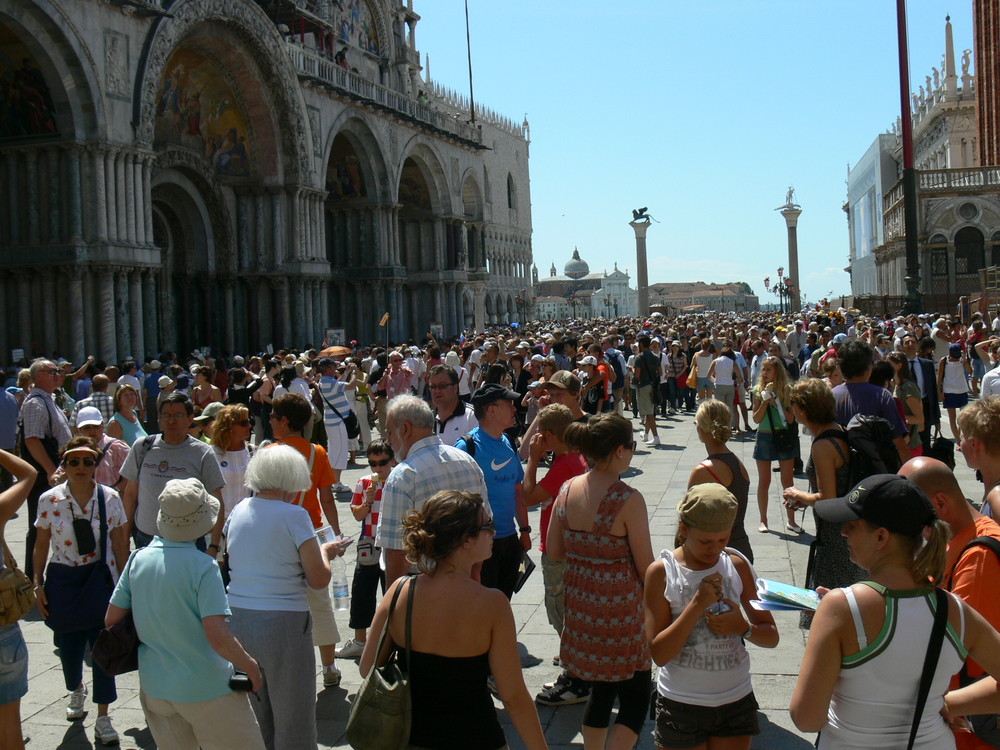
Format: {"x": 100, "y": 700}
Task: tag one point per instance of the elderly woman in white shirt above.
{"x": 273, "y": 556}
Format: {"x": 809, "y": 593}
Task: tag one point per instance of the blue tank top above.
{"x": 131, "y": 431}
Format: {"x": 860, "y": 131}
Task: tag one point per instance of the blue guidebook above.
{"x": 775, "y": 595}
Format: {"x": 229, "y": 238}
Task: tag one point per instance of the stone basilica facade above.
{"x": 237, "y": 173}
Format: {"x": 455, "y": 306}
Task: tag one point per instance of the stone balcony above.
{"x": 937, "y": 183}
{"x": 323, "y": 71}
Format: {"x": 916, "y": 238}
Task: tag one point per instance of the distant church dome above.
{"x": 576, "y": 268}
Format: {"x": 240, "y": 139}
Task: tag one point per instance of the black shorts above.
{"x": 680, "y": 725}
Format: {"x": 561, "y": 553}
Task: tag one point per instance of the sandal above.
{"x": 794, "y": 528}
{"x": 763, "y": 528}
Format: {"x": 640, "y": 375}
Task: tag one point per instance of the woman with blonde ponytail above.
{"x": 862, "y": 665}
{"x": 722, "y": 466}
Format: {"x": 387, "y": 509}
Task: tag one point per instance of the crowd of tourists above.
{"x": 199, "y": 495}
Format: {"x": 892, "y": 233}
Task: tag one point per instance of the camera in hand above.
{"x": 241, "y": 681}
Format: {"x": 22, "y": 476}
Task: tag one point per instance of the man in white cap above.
{"x": 90, "y": 422}
{"x": 179, "y": 606}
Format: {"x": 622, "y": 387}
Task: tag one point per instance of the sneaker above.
{"x": 564, "y": 693}
{"x": 671, "y": 411}
{"x": 351, "y": 649}
{"x": 104, "y": 733}
{"x": 331, "y": 676}
{"x": 341, "y": 488}
{"x": 656, "y": 440}
{"x": 75, "y": 709}
{"x": 645, "y": 436}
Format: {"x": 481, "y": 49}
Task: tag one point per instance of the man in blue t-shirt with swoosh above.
{"x": 495, "y": 409}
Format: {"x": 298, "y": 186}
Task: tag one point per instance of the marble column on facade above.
{"x": 53, "y": 178}
{"x": 259, "y": 247}
{"x": 307, "y": 316}
{"x": 455, "y": 302}
{"x": 319, "y": 322}
{"x": 24, "y": 308}
{"x": 394, "y": 312}
{"x": 150, "y": 335}
{"x": 277, "y": 233}
{"x": 96, "y": 195}
{"x": 395, "y": 257}
{"x": 13, "y": 182}
{"x": 128, "y": 199}
{"x": 74, "y": 188}
{"x": 120, "y": 197}
{"x": 138, "y": 343}
{"x": 110, "y": 191}
{"x": 437, "y": 294}
{"x": 147, "y": 199}
{"x": 282, "y": 328}
{"x": 50, "y": 309}
{"x": 324, "y": 305}
{"x": 121, "y": 313}
{"x": 31, "y": 196}
{"x": 228, "y": 313}
{"x": 141, "y": 197}
{"x": 243, "y": 232}
{"x": 479, "y": 314}
{"x": 107, "y": 336}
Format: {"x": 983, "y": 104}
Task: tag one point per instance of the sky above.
{"x": 705, "y": 111}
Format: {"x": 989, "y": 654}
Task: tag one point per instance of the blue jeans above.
{"x": 13, "y": 664}
{"x": 72, "y": 649}
{"x": 673, "y": 400}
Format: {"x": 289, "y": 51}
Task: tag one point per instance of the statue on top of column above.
{"x": 789, "y": 199}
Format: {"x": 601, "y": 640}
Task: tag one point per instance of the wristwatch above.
{"x": 746, "y": 636}
{"x": 525, "y": 529}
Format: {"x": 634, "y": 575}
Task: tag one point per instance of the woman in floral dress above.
{"x": 600, "y": 528}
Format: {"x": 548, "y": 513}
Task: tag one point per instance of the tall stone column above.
{"x": 121, "y": 198}
{"x": 437, "y": 290}
{"x": 229, "y": 313}
{"x": 243, "y": 231}
{"x": 394, "y": 308}
{"x": 24, "y": 313}
{"x": 54, "y": 177}
{"x": 129, "y": 199}
{"x": 121, "y": 313}
{"x": 150, "y": 334}
{"x": 260, "y": 232}
{"x": 138, "y": 198}
{"x": 283, "y": 327}
{"x": 138, "y": 348}
{"x": 324, "y": 304}
{"x": 642, "y": 274}
{"x": 33, "y": 205}
{"x": 50, "y": 327}
{"x": 278, "y": 235}
{"x": 791, "y": 214}
{"x": 98, "y": 197}
{"x": 479, "y": 314}
{"x": 111, "y": 191}
{"x": 455, "y": 305}
{"x": 74, "y": 190}
{"x": 14, "y": 197}
{"x": 107, "y": 336}
{"x": 147, "y": 198}
{"x": 307, "y": 313}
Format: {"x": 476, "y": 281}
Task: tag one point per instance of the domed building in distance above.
{"x": 578, "y": 293}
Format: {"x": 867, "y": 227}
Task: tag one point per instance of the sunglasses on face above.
{"x": 74, "y": 462}
{"x": 379, "y": 464}
{"x": 243, "y": 423}
{"x": 631, "y": 446}
{"x": 489, "y": 526}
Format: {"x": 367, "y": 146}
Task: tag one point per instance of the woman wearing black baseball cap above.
{"x": 862, "y": 666}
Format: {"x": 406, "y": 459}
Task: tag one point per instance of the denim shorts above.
{"x": 13, "y": 664}
{"x": 682, "y": 725}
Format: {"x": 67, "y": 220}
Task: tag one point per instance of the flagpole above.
{"x": 468, "y": 47}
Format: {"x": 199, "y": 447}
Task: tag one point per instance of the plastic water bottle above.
{"x": 338, "y": 583}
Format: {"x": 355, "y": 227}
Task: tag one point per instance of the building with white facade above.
{"x": 238, "y": 173}
{"x": 578, "y": 293}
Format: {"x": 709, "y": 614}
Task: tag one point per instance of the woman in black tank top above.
{"x": 712, "y": 421}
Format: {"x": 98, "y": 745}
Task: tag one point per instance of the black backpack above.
{"x": 870, "y": 441}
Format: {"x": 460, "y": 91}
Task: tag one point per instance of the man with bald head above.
{"x": 971, "y": 571}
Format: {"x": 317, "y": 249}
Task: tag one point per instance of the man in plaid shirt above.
{"x": 98, "y": 398}
{"x": 426, "y": 466}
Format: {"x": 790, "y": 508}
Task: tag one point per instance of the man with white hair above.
{"x": 426, "y": 466}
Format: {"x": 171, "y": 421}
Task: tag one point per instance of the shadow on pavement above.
{"x": 772, "y": 735}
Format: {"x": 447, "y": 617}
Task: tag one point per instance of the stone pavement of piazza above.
{"x": 659, "y": 473}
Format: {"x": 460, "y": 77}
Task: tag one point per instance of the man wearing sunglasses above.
{"x": 453, "y": 417}
{"x": 43, "y": 429}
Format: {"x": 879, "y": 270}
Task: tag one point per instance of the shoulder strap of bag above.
{"x": 339, "y": 416}
{"x": 388, "y": 619}
{"x": 104, "y": 523}
{"x": 409, "y": 620}
{"x": 930, "y": 661}
{"x": 300, "y": 498}
{"x": 980, "y": 541}
{"x": 8, "y": 557}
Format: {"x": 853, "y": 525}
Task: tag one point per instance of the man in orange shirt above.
{"x": 969, "y": 573}
{"x": 290, "y": 413}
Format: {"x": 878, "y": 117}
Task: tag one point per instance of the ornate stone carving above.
{"x": 265, "y": 46}
{"x": 116, "y": 63}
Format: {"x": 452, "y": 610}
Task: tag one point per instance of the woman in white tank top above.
{"x": 861, "y": 670}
